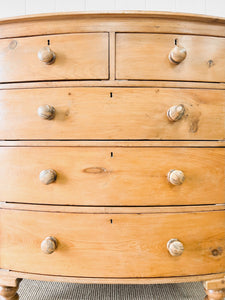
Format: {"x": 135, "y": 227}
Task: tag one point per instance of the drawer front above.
{"x": 112, "y": 245}
{"x": 76, "y": 58}
{"x": 112, "y": 113}
{"x": 145, "y": 56}
{"x": 112, "y": 176}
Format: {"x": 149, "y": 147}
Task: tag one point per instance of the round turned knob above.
{"x": 176, "y": 177}
{"x": 175, "y": 112}
{"x": 177, "y": 54}
{"x": 49, "y": 245}
{"x": 175, "y": 247}
{"x": 46, "y": 55}
{"x": 46, "y": 112}
{"x": 48, "y": 176}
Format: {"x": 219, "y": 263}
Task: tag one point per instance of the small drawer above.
{"x": 112, "y": 245}
{"x": 112, "y": 176}
{"x": 54, "y": 57}
{"x": 112, "y": 113}
{"x": 192, "y": 58}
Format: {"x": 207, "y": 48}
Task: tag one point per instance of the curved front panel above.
{"x": 112, "y": 245}
{"x": 112, "y": 114}
{"x": 144, "y": 56}
{"x": 29, "y": 59}
{"x": 112, "y": 176}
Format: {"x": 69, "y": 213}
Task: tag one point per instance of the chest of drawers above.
{"x": 112, "y": 149}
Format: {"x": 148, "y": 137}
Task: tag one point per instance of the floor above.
{"x": 38, "y": 290}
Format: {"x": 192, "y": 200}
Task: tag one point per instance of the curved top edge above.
{"x": 130, "y": 13}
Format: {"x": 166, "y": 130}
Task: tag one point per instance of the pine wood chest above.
{"x": 112, "y": 154}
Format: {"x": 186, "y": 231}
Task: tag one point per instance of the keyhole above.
{"x": 210, "y": 63}
{"x": 175, "y": 41}
{"x": 48, "y": 42}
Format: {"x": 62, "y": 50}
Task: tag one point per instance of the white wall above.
{"x": 9, "y": 8}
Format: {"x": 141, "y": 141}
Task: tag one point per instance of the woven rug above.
{"x": 38, "y": 290}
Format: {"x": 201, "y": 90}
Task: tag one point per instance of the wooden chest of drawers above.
{"x": 112, "y": 149}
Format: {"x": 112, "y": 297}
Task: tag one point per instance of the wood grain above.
{"x": 98, "y": 116}
{"x": 127, "y": 176}
{"x": 112, "y": 246}
{"x": 76, "y": 58}
{"x": 119, "y": 113}
{"x": 156, "y": 22}
{"x": 145, "y": 57}
{"x": 112, "y": 53}
{"x": 114, "y": 83}
{"x": 113, "y": 143}
{"x": 9, "y": 293}
{"x": 91, "y": 280}
{"x": 215, "y": 284}
{"x": 8, "y": 288}
{"x": 123, "y": 14}
{"x": 8, "y": 280}
{"x": 113, "y": 209}
{"x": 215, "y": 294}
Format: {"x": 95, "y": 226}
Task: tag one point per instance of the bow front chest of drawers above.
{"x": 112, "y": 149}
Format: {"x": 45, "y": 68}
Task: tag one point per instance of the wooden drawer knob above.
{"x": 175, "y": 112}
{"x": 48, "y": 176}
{"x": 175, "y": 247}
{"x": 49, "y": 245}
{"x": 46, "y": 55}
{"x": 177, "y": 55}
{"x": 46, "y": 112}
{"x": 175, "y": 177}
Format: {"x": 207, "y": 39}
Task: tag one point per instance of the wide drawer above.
{"x": 112, "y": 245}
{"x": 112, "y": 176}
{"x": 76, "y": 58}
{"x": 112, "y": 113}
{"x": 145, "y": 56}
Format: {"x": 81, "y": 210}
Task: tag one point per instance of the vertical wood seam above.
{"x": 112, "y": 55}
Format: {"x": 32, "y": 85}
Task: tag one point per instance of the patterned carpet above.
{"x": 38, "y": 290}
